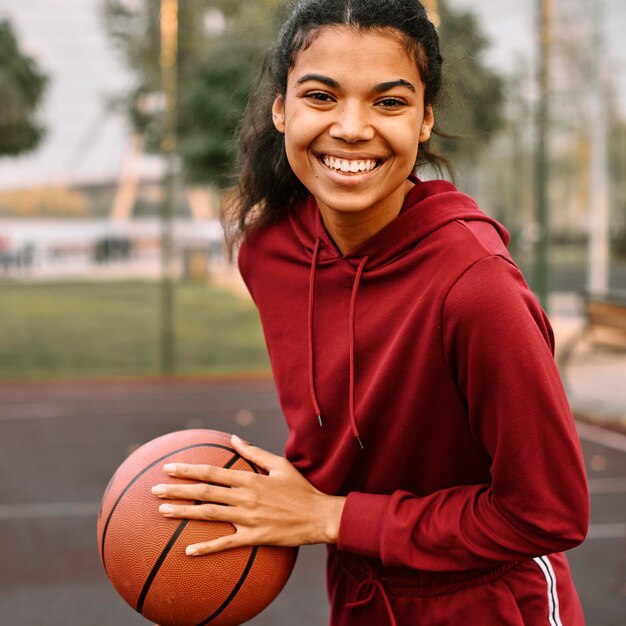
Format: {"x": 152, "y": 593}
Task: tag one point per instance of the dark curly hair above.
{"x": 267, "y": 188}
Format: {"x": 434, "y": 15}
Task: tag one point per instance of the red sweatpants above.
{"x": 529, "y": 593}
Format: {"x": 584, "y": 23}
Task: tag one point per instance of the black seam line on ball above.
{"x": 246, "y": 571}
{"x": 159, "y": 562}
{"x": 170, "y": 544}
{"x": 237, "y": 587}
{"x": 136, "y": 478}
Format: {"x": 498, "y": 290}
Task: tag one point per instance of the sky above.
{"x": 511, "y": 27}
{"x": 85, "y": 142}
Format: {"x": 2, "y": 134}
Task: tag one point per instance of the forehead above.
{"x": 349, "y": 55}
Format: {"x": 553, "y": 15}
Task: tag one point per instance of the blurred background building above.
{"x": 126, "y": 146}
{"x": 102, "y": 108}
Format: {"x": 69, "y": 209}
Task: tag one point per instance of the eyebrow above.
{"x": 333, "y": 84}
{"x": 392, "y": 84}
{"x": 319, "y": 78}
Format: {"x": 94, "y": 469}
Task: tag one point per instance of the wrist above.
{"x": 330, "y": 513}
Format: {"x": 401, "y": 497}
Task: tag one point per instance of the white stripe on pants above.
{"x": 554, "y": 616}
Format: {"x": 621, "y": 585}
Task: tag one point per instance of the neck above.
{"x": 350, "y": 229}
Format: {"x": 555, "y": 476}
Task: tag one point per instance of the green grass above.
{"x": 85, "y": 330}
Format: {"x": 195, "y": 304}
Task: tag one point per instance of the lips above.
{"x": 349, "y": 166}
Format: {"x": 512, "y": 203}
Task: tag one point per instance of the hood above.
{"x": 427, "y": 207}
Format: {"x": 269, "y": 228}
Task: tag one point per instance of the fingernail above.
{"x": 166, "y": 509}
{"x": 239, "y": 440}
{"x": 170, "y": 468}
{"x": 191, "y": 550}
{"x": 158, "y": 490}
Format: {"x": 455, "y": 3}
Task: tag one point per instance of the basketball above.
{"x": 143, "y": 552}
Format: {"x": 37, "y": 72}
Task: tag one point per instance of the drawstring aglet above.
{"x": 319, "y": 419}
{"x": 358, "y": 440}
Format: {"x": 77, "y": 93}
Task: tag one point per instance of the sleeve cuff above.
{"x": 360, "y": 529}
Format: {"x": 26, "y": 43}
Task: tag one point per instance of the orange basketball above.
{"x": 143, "y": 553}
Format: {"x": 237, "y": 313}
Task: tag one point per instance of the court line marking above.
{"x": 49, "y": 411}
{"x": 603, "y": 436}
{"x": 46, "y": 510}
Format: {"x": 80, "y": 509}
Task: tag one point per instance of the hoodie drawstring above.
{"x": 351, "y": 324}
{"x": 316, "y": 405}
{"x": 355, "y": 289}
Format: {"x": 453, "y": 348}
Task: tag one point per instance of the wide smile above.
{"x": 349, "y": 167}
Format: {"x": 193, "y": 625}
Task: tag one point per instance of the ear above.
{"x": 427, "y": 124}
{"x": 278, "y": 113}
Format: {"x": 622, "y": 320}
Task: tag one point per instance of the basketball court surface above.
{"x": 60, "y": 443}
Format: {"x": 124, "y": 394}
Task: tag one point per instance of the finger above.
{"x": 226, "y": 542}
{"x": 260, "y": 457}
{"x": 196, "y": 491}
{"x": 205, "y": 512}
{"x": 208, "y": 474}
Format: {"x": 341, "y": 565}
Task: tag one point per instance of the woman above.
{"x": 430, "y": 443}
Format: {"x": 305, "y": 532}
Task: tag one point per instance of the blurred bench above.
{"x": 604, "y": 326}
{"x": 605, "y": 318}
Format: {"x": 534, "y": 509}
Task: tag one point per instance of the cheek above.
{"x": 296, "y": 154}
{"x": 293, "y": 141}
{"x": 407, "y": 148}
{"x": 401, "y": 135}
{"x": 299, "y": 131}
{"x": 413, "y": 140}
{"x": 299, "y": 135}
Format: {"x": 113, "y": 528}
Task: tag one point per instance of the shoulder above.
{"x": 489, "y": 281}
{"x": 491, "y": 295}
{"x": 262, "y": 243}
{"x": 489, "y": 235}
{"x": 269, "y": 256}
{"x": 476, "y": 237}
{"x": 469, "y": 253}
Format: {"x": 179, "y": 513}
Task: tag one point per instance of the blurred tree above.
{"x": 220, "y": 42}
{"x": 211, "y": 109}
{"x": 221, "y": 45}
{"x": 473, "y": 96}
{"x": 22, "y": 85}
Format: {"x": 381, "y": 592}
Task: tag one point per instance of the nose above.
{"x": 352, "y": 123}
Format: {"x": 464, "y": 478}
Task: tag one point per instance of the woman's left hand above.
{"x": 281, "y": 508}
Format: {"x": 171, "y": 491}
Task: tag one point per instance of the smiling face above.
{"x": 353, "y": 116}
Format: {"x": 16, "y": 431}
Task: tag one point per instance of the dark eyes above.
{"x": 319, "y": 96}
{"x": 384, "y": 103}
{"x": 391, "y": 103}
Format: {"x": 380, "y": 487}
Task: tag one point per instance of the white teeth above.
{"x": 349, "y": 166}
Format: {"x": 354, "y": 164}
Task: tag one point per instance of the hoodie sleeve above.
{"x": 498, "y": 345}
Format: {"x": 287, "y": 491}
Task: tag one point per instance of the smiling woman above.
{"x": 413, "y": 365}
{"x": 353, "y": 117}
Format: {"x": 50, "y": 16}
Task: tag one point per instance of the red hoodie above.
{"x": 426, "y": 347}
